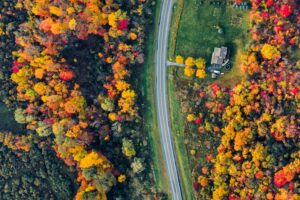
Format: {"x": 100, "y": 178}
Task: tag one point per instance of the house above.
{"x": 219, "y": 56}
{"x": 219, "y": 59}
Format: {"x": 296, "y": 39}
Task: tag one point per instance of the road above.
{"x": 162, "y": 98}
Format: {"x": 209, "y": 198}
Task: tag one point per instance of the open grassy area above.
{"x": 147, "y": 84}
{"x": 177, "y": 126}
{"x": 198, "y": 34}
{"x": 198, "y": 30}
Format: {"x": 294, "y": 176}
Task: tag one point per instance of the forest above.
{"x": 66, "y": 79}
{"x": 73, "y": 107}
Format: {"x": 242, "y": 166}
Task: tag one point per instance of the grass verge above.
{"x": 149, "y": 108}
{"x": 176, "y": 16}
{"x": 177, "y": 126}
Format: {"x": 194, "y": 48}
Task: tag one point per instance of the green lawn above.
{"x": 198, "y": 33}
{"x": 147, "y": 83}
{"x": 177, "y": 126}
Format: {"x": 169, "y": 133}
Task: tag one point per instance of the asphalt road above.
{"x": 162, "y": 98}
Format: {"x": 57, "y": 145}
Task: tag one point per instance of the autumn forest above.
{"x": 79, "y": 112}
{"x": 66, "y": 75}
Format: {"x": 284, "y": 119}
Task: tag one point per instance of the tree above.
{"x": 106, "y": 103}
{"x": 66, "y": 75}
{"x": 122, "y": 85}
{"x": 128, "y": 148}
{"x": 44, "y": 70}
{"x": 189, "y": 71}
{"x": 43, "y": 129}
{"x": 137, "y": 165}
{"x": 20, "y": 116}
{"x": 200, "y": 63}
{"x": 179, "y": 59}
{"x": 200, "y": 73}
{"x": 269, "y": 52}
{"x": 25, "y": 180}
{"x": 285, "y": 10}
{"x": 121, "y": 178}
{"x": 189, "y": 61}
{"x": 190, "y": 117}
{"x": 91, "y": 159}
{"x": 72, "y": 24}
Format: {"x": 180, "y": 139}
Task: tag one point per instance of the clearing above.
{"x": 208, "y": 24}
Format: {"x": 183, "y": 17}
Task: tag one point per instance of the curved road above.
{"x": 162, "y": 100}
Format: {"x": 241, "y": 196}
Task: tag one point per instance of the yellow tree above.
{"x": 179, "y": 59}
{"x": 72, "y": 24}
{"x": 200, "y": 63}
{"x": 128, "y": 148}
{"x": 201, "y": 73}
{"x": 189, "y": 71}
{"x": 269, "y": 51}
{"x": 122, "y": 85}
{"x": 190, "y": 61}
{"x": 190, "y": 117}
{"x": 91, "y": 159}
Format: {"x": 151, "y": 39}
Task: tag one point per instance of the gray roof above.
{"x": 223, "y": 52}
{"x": 219, "y": 55}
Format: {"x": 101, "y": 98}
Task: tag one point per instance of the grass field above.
{"x": 147, "y": 82}
{"x": 177, "y": 126}
{"x": 198, "y": 32}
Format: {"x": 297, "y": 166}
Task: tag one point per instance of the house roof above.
{"x": 219, "y": 55}
{"x": 223, "y": 52}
